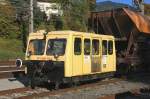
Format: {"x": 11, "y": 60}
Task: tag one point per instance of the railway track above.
{"x": 9, "y": 70}
{"x": 28, "y": 93}
{"x": 104, "y": 89}
{"x": 65, "y": 90}
{"x": 17, "y": 90}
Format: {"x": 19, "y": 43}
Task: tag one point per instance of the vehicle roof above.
{"x": 37, "y": 33}
{"x": 68, "y": 32}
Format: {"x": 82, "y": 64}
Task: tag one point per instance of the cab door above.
{"x": 107, "y": 55}
{"x": 87, "y": 56}
{"x": 111, "y": 55}
{"x": 96, "y": 56}
{"x": 104, "y": 56}
{"x": 77, "y": 56}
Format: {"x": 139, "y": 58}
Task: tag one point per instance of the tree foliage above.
{"x": 14, "y": 17}
{"x": 8, "y": 25}
{"x": 22, "y": 18}
{"x": 75, "y": 16}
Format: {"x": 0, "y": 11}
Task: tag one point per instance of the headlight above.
{"x": 18, "y": 63}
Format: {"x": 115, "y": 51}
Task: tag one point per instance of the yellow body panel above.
{"x": 76, "y": 65}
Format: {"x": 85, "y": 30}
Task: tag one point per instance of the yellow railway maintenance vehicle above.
{"x": 69, "y": 57}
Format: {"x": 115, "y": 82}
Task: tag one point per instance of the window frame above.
{"x": 110, "y": 51}
{"x": 77, "y": 53}
{"x": 32, "y": 40}
{"x": 65, "y": 41}
{"x": 89, "y": 47}
{"x": 106, "y": 47}
{"x": 98, "y": 48}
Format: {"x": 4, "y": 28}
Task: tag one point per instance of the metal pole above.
{"x": 31, "y": 17}
{"x": 139, "y": 4}
{"x": 142, "y": 7}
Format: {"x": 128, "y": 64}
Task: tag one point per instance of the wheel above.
{"x": 122, "y": 69}
{"x": 76, "y": 83}
{"x": 71, "y": 84}
{"x": 32, "y": 84}
{"x": 57, "y": 84}
{"x": 33, "y": 81}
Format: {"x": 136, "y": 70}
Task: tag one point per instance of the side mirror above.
{"x": 18, "y": 63}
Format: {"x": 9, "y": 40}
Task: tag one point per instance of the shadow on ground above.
{"x": 139, "y": 77}
{"x": 142, "y": 94}
{"x": 23, "y": 79}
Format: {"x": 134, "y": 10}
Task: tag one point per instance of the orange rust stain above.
{"x": 142, "y": 22}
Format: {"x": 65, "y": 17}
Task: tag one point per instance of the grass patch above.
{"x": 10, "y": 49}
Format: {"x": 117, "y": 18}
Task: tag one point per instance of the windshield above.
{"x": 36, "y": 47}
{"x": 56, "y": 46}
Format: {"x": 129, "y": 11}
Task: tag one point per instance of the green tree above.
{"x": 22, "y": 17}
{"x": 75, "y": 14}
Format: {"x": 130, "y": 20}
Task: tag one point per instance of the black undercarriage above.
{"x": 53, "y": 72}
{"x": 45, "y": 71}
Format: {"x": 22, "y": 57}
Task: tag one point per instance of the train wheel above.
{"x": 76, "y": 83}
{"x": 33, "y": 80}
{"x": 32, "y": 84}
{"x": 57, "y": 84}
{"x": 122, "y": 69}
{"x": 71, "y": 84}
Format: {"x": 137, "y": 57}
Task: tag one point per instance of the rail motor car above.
{"x": 69, "y": 56}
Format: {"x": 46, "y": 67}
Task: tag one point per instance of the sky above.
{"x": 124, "y": 1}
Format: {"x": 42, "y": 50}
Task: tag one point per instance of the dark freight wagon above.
{"x": 132, "y": 35}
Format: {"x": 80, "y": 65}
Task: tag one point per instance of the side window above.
{"x": 110, "y": 47}
{"x": 95, "y": 47}
{"x": 77, "y": 46}
{"x": 104, "y": 47}
{"x": 87, "y": 50}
